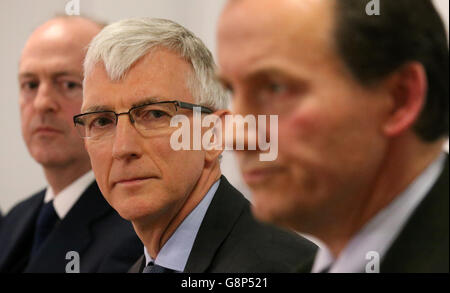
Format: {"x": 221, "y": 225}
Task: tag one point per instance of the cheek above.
{"x": 25, "y": 116}
{"x": 69, "y": 110}
{"x": 181, "y": 168}
{"x": 308, "y": 125}
{"x": 100, "y": 157}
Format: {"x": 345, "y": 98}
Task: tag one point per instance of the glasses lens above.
{"x": 153, "y": 117}
{"x": 97, "y": 124}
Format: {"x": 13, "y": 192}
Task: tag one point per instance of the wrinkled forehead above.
{"x": 160, "y": 75}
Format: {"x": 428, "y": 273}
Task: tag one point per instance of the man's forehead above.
{"x": 273, "y": 35}
{"x": 76, "y": 31}
{"x": 50, "y": 67}
{"x": 160, "y": 75}
{"x": 101, "y": 93}
{"x": 275, "y": 18}
{"x": 62, "y": 49}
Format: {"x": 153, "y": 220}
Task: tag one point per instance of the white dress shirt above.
{"x": 175, "y": 252}
{"x": 381, "y": 231}
{"x": 67, "y": 198}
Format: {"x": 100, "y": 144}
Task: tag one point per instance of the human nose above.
{"x": 126, "y": 145}
{"x": 45, "y": 99}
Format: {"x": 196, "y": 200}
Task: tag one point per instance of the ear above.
{"x": 408, "y": 89}
{"x": 218, "y": 130}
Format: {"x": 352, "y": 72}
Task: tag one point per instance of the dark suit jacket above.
{"x": 91, "y": 228}
{"x": 231, "y": 240}
{"x": 422, "y": 246}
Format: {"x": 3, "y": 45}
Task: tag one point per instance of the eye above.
{"x": 148, "y": 115}
{"x": 30, "y": 85}
{"x": 71, "y": 85}
{"x": 101, "y": 122}
{"x": 277, "y": 88}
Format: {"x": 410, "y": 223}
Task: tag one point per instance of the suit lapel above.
{"x": 73, "y": 233}
{"x": 223, "y": 212}
{"x": 138, "y": 266}
{"x": 307, "y": 265}
{"x": 12, "y": 252}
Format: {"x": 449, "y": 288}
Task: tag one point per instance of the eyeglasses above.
{"x": 147, "y": 119}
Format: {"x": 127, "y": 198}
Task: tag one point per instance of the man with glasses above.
{"x": 68, "y": 227}
{"x": 139, "y": 74}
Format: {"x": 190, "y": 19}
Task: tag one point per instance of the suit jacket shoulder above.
{"x": 16, "y": 232}
{"x": 91, "y": 228}
{"x": 231, "y": 240}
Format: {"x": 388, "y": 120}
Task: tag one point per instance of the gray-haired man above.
{"x": 139, "y": 73}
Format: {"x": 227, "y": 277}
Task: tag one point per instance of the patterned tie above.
{"x": 152, "y": 268}
{"x": 45, "y": 223}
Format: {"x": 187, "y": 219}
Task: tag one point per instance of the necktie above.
{"x": 152, "y": 268}
{"x": 46, "y": 220}
{"x": 325, "y": 270}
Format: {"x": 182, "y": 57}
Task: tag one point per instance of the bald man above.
{"x": 68, "y": 226}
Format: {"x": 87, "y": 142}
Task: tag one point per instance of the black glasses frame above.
{"x": 178, "y": 104}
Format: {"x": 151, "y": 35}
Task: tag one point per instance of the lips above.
{"x": 131, "y": 180}
{"x": 254, "y": 176}
{"x": 46, "y": 130}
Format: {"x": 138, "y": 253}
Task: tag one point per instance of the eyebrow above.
{"x": 146, "y": 100}
{"x": 57, "y": 74}
{"x": 257, "y": 73}
{"x": 100, "y": 108}
{"x": 97, "y": 108}
{"x": 269, "y": 72}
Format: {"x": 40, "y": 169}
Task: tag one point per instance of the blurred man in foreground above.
{"x": 363, "y": 114}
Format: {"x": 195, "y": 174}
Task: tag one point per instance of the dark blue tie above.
{"x": 46, "y": 221}
{"x": 152, "y": 268}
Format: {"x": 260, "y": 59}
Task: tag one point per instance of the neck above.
{"x": 155, "y": 232}
{"x": 59, "y": 177}
{"x": 406, "y": 158}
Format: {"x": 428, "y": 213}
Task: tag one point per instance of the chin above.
{"x": 273, "y": 208}
{"x": 130, "y": 211}
{"x": 136, "y": 208}
{"x": 264, "y": 209}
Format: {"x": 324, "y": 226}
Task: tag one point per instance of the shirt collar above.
{"x": 65, "y": 200}
{"x": 175, "y": 252}
{"x": 380, "y": 232}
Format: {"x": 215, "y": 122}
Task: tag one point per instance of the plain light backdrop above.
{"x": 20, "y": 175}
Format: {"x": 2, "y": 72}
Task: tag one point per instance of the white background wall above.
{"x": 20, "y": 176}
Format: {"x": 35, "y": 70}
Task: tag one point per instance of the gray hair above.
{"x": 121, "y": 44}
